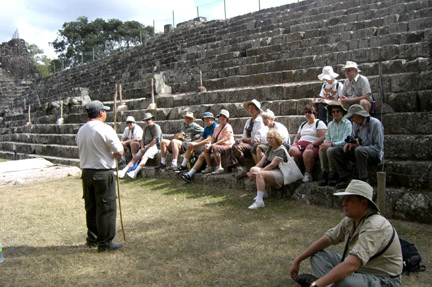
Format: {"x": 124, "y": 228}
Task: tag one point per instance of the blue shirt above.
{"x": 372, "y": 133}
{"x": 209, "y": 130}
{"x": 338, "y": 132}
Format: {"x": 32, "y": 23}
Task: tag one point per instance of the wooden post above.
{"x": 381, "y": 195}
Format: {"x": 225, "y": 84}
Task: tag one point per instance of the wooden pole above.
{"x": 381, "y": 195}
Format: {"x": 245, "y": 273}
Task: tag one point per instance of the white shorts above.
{"x": 150, "y": 153}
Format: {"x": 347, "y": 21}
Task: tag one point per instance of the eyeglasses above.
{"x": 308, "y": 112}
{"x": 336, "y": 111}
{"x": 128, "y": 123}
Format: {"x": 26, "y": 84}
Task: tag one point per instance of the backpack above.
{"x": 411, "y": 258}
{"x": 305, "y": 122}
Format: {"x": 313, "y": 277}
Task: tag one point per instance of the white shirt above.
{"x": 136, "y": 132}
{"x": 97, "y": 143}
{"x": 309, "y": 132}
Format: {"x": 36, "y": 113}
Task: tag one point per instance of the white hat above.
{"x": 360, "y": 188}
{"x": 224, "y": 113}
{"x": 351, "y": 65}
{"x": 130, "y": 119}
{"x": 327, "y": 74}
{"x": 253, "y": 102}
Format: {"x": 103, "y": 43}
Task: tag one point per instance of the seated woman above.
{"x": 267, "y": 171}
{"x": 269, "y": 121}
{"x": 338, "y": 130}
{"x": 149, "y": 147}
{"x": 221, "y": 142}
{"x": 310, "y": 135}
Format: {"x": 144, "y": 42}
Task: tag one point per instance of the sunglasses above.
{"x": 308, "y": 112}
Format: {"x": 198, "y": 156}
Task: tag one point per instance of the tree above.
{"x": 41, "y": 61}
{"x": 79, "y": 41}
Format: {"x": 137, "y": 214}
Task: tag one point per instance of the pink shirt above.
{"x": 226, "y": 133}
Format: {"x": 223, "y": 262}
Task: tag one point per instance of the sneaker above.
{"x": 208, "y": 169}
{"x": 241, "y": 174}
{"x": 111, "y": 247}
{"x": 307, "y": 177}
{"x": 186, "y": 177}
{"x": 305, "y": 280}
{"x": 219, "y": 170}
{"x": 134, "y": 166}
{"x": 180, "y": 169}
{"x": 161, "y": 166}
{"x": 173, "y": 167}
{"x": 256, "y": 205}
{"x": 122, "y": 173}
{"x": 132, "y": 174}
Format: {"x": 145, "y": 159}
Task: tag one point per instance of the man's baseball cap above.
{"x": 360, "y": 188}
{"x": 96, "y": 106}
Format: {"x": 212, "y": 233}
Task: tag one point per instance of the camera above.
{"x": 353, "y": 140}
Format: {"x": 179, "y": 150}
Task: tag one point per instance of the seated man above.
{"x": 356, "y": 88}
{"x": 150, "y": 147}
{"x": 131, "y": 137}
{"x": 197, "y": 146}
{"x": 190, "y": 130}
{"x": 372, "y": 255}
{"x": 366, "y": 145}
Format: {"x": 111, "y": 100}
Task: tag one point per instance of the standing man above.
{"x": 372, "y": 255}
{"x": 98, "y": 146}
{"x": 132, "y": 135}
{"x": 356, "y": 88}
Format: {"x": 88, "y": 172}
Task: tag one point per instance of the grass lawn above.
{"x": 176, "y": 235}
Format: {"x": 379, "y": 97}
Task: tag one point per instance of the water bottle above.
{"x": 1, "y": 254}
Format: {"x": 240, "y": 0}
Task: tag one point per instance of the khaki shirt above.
{"x": 358, "y": 87}
{"x": 370, "y": 237}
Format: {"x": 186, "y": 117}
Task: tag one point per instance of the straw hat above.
{"x": 189, "y": 115}
{"x": 253, "y": 102}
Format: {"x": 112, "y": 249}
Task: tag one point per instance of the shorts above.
{"x": 150, "y": 153}
{"x": 262, "y": 147}
{"x": 278, "y": 177}
{"x": 301, "y": 145}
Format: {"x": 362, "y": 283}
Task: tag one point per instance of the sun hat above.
{"x": 208, "y": 115}
{"x": 356, "y": 109}
{"x": 336, "y": 104}
{"x": 224, "y": 113}
{"x": 148, "y": 116}
{"x": 268, "y": 114}
{"x": 351, "y": 65}
{"x": 130, "y": 119}
{"x": 327, "y": 74}
{"x": 253, "y": 102}
{"x": 96, "y": 106}
{"x": 361, "y": 188}
{"x": 189, "y": 115}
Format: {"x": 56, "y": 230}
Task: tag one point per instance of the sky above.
{"x": 38, "y": 21}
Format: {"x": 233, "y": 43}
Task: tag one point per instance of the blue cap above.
{"x": 208, "y": 115}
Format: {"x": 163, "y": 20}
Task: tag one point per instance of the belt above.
{"x": 92, "y": 169}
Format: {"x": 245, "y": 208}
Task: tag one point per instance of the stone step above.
{"x": 53, "y": 150}
{"x": 53, "y": 159}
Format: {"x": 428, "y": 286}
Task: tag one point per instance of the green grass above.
{"x": 176, "y": 235}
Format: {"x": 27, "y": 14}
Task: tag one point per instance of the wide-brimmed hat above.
{"x": 207, "y": 115}
{"x": 327, "y": 74}
{"x": 253, "y": 102}
{"x": 130, "y": 119}
{"x": 356, "y": 109}
{"x": 361, "y": 188}
{"x": 351, "y": 65}
{"x": 224, "y": 113}
{"x": 336, "y": 104}
{"x": 148, "y": 116}
{"x": 96, "y": 106}
{"x": 189, "y": 115}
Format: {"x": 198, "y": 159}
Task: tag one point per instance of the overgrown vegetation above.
{"x": 176, "y": 235}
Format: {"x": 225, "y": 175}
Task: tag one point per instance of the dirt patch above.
{"x": 33, "y": 170}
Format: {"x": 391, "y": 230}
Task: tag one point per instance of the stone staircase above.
{"x": 273, "y": 55}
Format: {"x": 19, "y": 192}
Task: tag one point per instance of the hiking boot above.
{"x": 333, "y": 179}
{"x": 305, "y": 280}
{"x": 241, "y": 174}
{"x": 342, "y": 183}
{"x": 161, "y": 166}
{"x": 324, "y": 179}
{"x": 186, "y": 177}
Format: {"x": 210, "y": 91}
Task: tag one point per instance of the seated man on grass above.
{"x": 372, "y": 255}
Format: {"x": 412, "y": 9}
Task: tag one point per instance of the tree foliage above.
{"x": 42, "y": 62}
{"x": 81, "y": 40}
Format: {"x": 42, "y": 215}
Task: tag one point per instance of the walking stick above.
{"x": 116, "y": 161}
